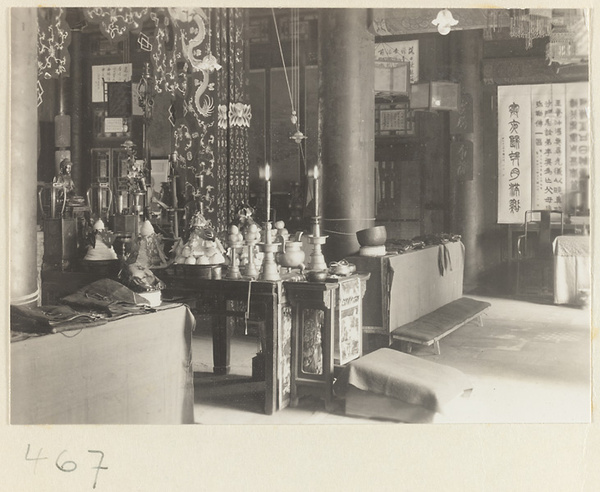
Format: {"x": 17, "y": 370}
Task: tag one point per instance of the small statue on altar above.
{"x": 136, "y": 169}
{"x": 64, "y": 179}
{"x": 64, "y": 183}
{"x": 65, "y": 186}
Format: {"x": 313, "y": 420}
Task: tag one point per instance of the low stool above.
{"x": 392, "y": 385}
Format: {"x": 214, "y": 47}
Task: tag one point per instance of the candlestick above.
{"x": 268, "y": 191}
{"x": 251, "y": 270}
{"x": 316, "y": 178}
{"x": 317, "y": 260}
{"x": 173, "y": 177}
{"x": 269, "y": 267}
{"x": 234, "y": 269}
{"x": 199, "y": 190}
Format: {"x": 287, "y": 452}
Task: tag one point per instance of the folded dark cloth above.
{"x": 51, "y": 319}
{"x": 440, "y": 238}
{"x": 110, "y": 297}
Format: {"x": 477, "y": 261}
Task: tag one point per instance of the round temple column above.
{"x": 346, "y": 120}
{"x": 468, "y": 196}
{"x": 23, "y": 157}
{"x": 76, "y": 109}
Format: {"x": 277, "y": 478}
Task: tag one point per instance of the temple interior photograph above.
{"x": 235, "y": 215}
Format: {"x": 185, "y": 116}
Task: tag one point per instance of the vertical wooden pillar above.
{"x": 468, "y": 196}
{"x": 76, "y": 109}
{"x": 346, "y": 121}
{"x": 23, "y": 157}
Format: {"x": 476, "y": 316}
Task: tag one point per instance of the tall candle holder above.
{"x": 173, "y": 215}
{"x": 199, "y": 193}
{"x": 251, "y": 270}
{"x": 317, "y": 260}
{"x": 234, "y": 269}
{"x": 268, "y": 247}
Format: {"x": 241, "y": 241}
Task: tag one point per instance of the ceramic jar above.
{"x": 293, "y": 255}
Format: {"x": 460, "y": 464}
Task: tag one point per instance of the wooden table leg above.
{"x": 221, "y": 341}
{"x": 221, "y": 345}
{"x": 271, "y": 327}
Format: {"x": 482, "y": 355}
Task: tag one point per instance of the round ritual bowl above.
{"x": 373, "y": 236}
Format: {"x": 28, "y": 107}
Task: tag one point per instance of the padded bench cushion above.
{"x": 404, "y": 377}
{"x": 442, "y": 321}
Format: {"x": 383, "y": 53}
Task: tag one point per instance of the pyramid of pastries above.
{"x": 202, "y": 246}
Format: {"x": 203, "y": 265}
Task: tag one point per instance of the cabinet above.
{"x": 398, "y": 196}
{"x": 327, "y": 332}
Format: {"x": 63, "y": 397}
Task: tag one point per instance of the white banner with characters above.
{"x": 514, "y": 153}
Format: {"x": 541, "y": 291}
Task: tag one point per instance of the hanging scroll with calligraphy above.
{"x": 548, "y": 145}
{"x": 577, "y": 143}
{"x": 543, "y": 149}
{"x": 514, "y": 153}
{"x": 406, "y": 51}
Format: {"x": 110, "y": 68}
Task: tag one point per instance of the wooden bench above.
{"x": 431, "y": 328}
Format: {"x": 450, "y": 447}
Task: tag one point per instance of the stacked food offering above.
{"x": 202, "y": 246}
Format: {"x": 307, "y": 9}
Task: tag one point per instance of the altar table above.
{"x": 266, "y": 303}
{"x": 403, "y": 287}
{"x": 262, "y": 301}
{"x": 135, "y": 370}
{"x": 571, "y": 268}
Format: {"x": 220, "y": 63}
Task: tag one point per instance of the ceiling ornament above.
{"x": 569, "y": 39}
{"x": 54, "y": 38}
{"x": 530, "y": 24}
{"x": 391, "y": 22}
{"x": 117, "y": 22}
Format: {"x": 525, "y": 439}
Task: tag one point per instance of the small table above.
{"x": 571, "y": 268}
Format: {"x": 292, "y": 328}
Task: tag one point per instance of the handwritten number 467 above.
{"x": 67, "y": 466}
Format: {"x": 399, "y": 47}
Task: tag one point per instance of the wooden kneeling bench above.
{"x": 431, "y": 328}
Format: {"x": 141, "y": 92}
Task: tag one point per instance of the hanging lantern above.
{"x": 444, "y": 21}
{"x": 530, "y": 24}
{"x": 392, "y": 78}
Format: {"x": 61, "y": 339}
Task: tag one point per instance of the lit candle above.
{"x": 268, "y": 192}
{"x": 316, "y": 178}
{"x": 200, "y": 184}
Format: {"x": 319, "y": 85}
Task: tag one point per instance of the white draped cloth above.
{"x": 571, "y": 269}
